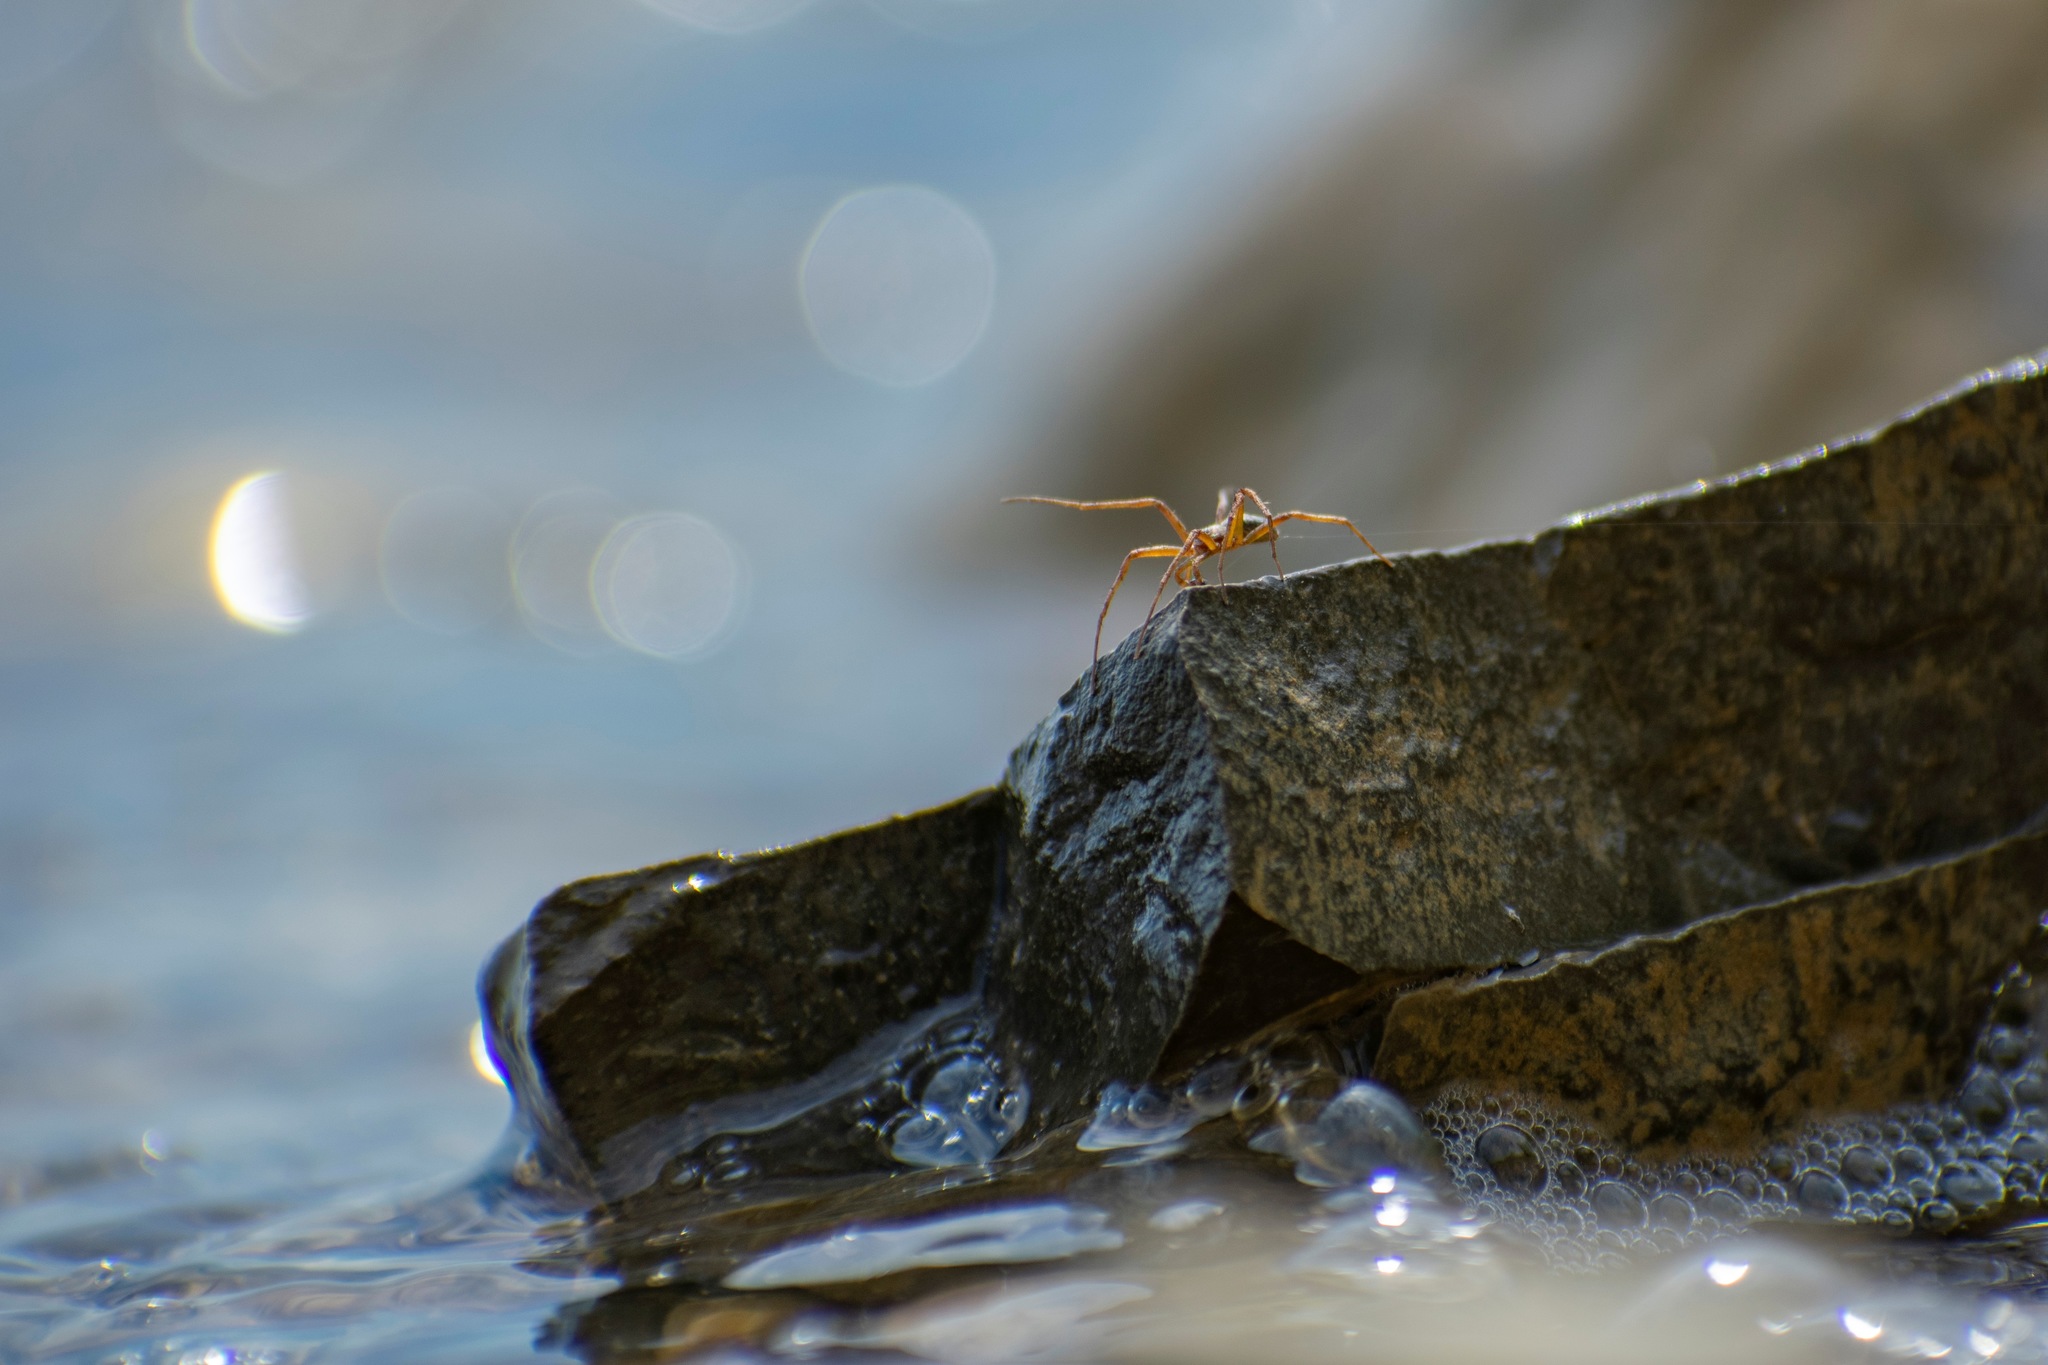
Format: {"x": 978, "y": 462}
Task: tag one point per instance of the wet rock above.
{"x": 1316, "y": 793}
{"x": 1731, "y": 1031}
{"x": 637, "y": 1016}
{"x": 1809, "y": 672}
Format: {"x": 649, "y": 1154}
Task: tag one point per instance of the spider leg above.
{"x": 1273, "y": 540}
{"x": 1114, "y": 505}
{"x": 1142, "y": 552}
{"x": 1331, "y": 521}
{"x": 1193, "y": 553}
{"x": 1233, "y": 531}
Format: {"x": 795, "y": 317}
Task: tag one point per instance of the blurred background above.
{"x": 451, "y": 448}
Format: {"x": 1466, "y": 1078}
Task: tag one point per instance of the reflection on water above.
{"x": 246, "y": 875}
{"x": 667, "y": 584}
{"x": 443, "y": 559}
{"x": 140, "y": 1256}
{"x": 1267, "y": 1207}
{"x": 255, "y": 562}
{"x": 898, "y": 284}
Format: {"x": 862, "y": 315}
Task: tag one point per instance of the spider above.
{"x": 1233, "y": 529}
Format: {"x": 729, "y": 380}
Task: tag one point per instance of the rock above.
{"x": 1811, "y": 671}
{"x": 1728, "y": 1033}
{"x": 636, "y": 1016}
{"x": 1319, "y": 792}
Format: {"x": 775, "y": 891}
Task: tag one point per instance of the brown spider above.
{"x": 1233, "y": 529}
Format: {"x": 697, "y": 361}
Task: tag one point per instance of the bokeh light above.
{"x": 668, "y": 584}
{"x": 254, "y": 557}
{"x": 552, "y": 554}
{"x": 480, "y": 1058}
{"x": 443, "y": 560}
{"x": 38, "y": 38}
{"x": 897, "y": 284}
{"x": 254, "y": 48}
{"x": 728, "y": 16}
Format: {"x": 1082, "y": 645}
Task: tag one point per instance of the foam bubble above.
{"x": 966, "y": 1113}
{"x": 1968, "y": 1161}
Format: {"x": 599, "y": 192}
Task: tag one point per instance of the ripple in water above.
{"x": 1034, "y": 1232}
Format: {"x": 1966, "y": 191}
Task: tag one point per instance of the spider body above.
{"x": 1237, "y": 525}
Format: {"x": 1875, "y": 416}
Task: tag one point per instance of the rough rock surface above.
{"x": 1360, "y": 779}
{"x": 1708, "y": 699}
{"x": 636, "y": 1015}
{"x": 1733, "y": 1030}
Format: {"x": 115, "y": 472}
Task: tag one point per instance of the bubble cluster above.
{"x": 1927, "y": 1167}
{"x": 1156, "y": 1115}
{"x": 945, "y": 1095}
{"x": 965, "y": 1112}
{"x": 1350, "y": 1136}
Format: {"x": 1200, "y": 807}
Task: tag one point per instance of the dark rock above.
{"x": 637, "y": 1015}
{"x": 1812, "y": 671}
{"x": 1733, "y": 1030}
{"x": 1322, "y": 791}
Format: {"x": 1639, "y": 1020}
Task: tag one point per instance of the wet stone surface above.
{"x": 641, "y": 1019}
{"x": 1727, "y": 1033}
{"x": 1672, "y": 708}
{"x": 1765, "y": 736}
{"x": 1969, "y": 1158}
{"x": 1304, "y": 1195}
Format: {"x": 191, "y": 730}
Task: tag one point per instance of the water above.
{"x": 1299, "y": 1213}
{"x": 531, "y": 288}
{"x": 1269, "y": 1203}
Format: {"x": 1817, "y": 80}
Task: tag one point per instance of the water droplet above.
{"x": 1571, "y": 1180}
{"x": 1911, "y": 1163}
